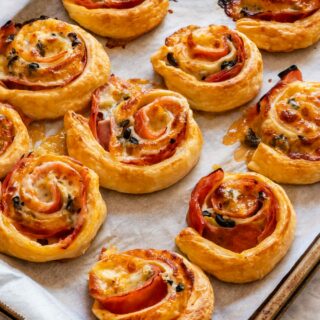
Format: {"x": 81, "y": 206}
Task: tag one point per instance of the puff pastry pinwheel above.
{"x": 118, "y": 19}
{"x": 48, "y": 67}
{"x": 149, "y": 284}
{"x": 240, "y": 226}
{"x": 14, "y": 138}
{"x": 51, "y": 209}
{"x": 215, "y": 68}
{"x": 282, "y": 129}
{"x": 137, "y": 140}
{"x": 276, "y": 25}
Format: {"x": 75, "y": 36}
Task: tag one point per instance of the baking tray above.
{"x": 154, "y": 220}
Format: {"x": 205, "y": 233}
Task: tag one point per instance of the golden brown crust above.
{"x": 25, "y": 246}
{"x": 20, "y": 144}
{"x": 50, "y": 103}
{"x": 281, "y": 168}
{"x": 194, "y": 302}
{"x": 251, "y": 264}
{"x": 119, "y": 23}
{"x": 209, "y": 96}
{"x": 283, "y": 127}
{"x": 282, "y": 37}
{"x": 131, "y": 178}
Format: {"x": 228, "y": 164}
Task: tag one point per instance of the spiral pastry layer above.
{"x": 240, "y": 226}
{"x": 48, "y": 67}
{"x": 208, "y": 65}
{"x": 14, "y": 138}
{"x": 278, "y": 25}
{"x": 138, "y": 140}
{"x": 126, "y": 19}
{"x": 283, "y": 131}
{"x": 51, "y": 209}
{"x": 149, "y": 284}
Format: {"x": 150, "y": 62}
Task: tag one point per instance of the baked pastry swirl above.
{"x": 118, "y": 19}
{"x": 208, "y": 65}
{"x": 137, "y": 140}
{"x": 14, "y": 138}
{"x": 149, "y": 284}
{"x": 51, "y": 209}
{"x": 240, "y": 226}
{"x": 283, "y": 130}
{"x": 276, "y": 25}
{"x": 48, "y": 67}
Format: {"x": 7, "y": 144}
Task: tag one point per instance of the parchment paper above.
{"x": 58, "y": 290}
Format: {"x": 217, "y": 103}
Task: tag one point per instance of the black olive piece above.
{"x": 126, "y": 97}
{"x": 70, "y": 204}
{"x": 41, "y": 48}
{"x": 74, "y": 39}
{"x": 206, "y": 213}
{"x": 75, "y": 43}
{"x": 10, "y": 38}
{"x": 283, "y": 73}
{"x": 280, "y": 141}
{"x": 124, "y": 123}
{"x": 33, "y": 66}
{"x": 127, "y": 133}
{"x": 170, "y": 282}
{"x": 226, "y": 223}
{"x": 172, "y": 60}
{"x": 261, "y": 196}
{"x": 72, "y": 35}
{"x": 43, "y": 242}
{"x": 133, "y": 140}
{"x": 12, "y": 60}
{"x": 251, "y": 139}
{"x": 203, "y": 78}
{"x": 17, "y": 203}
{"x": 172, "y": 141}
{"x": 228, "y": 64}
{"x": 179, "y": 287}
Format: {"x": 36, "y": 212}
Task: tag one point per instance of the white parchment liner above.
{"x": 58, "y": 290}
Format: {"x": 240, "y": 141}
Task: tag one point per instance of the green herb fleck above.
{"x": 293, "y": 103}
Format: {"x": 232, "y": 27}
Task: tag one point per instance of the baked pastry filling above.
{"x": 287, "y": 118}
{"x": 135, "y": 126}
{"x": 132, "y": 281}
{"x": 6, "y": 133}
{"x": 127, "y": 284}
{"x": 210, "y": 54}
{"x": 236, "y": 214}
{"x": 108, "y": 4}
{"x": 270, "y": 10}
{"x": 46, "y": 200}
{"x": 40, "y": 54}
